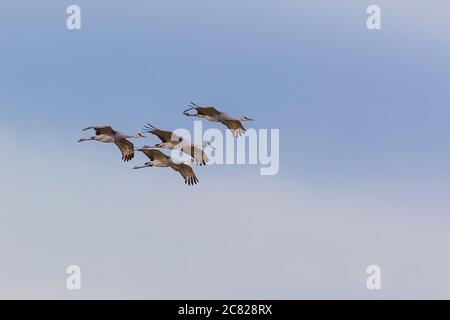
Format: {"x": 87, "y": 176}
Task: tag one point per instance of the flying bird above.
{"x": 214, "y": 115}
{"x": 159, "y": 159}
{"x": 106, "y": 134}
{"x": 171, "y": 141}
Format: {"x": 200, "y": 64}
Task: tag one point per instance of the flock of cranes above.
{"x": 170, "y": 141}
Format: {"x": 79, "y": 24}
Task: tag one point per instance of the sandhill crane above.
{"x": 171, "y": 141}
{"x": 107, "y": 135}
{"x": 214, "y": 115}
{"x": 159, "y": 159}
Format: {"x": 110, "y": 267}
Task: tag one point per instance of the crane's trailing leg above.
{"x": 192, "y": 106}
{"x": 90, "y": 139}
{"x": 150, "y": 127}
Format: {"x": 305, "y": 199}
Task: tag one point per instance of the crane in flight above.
{"x": 171, "y": 141}
{"x": 212, "y": 114}
{"x": 106, "y": 134}
{"x": 159, "y": 159}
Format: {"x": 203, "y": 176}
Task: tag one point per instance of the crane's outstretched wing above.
{"x": 164, "y": 136}
{"x": 107, "y": 130}
{"x": 202, "y": 111}
{"x": 196, "y": 153}
{"x": 127, "y": 149}
{"x": 208, "y": 111}
{"x": 186, "y": 171}
{"x": 234, "y": 125}
{"x": 154, "y": 154}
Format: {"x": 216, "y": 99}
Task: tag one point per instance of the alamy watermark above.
{"x": 73, "y": 21}
{"x": 254, "y": 147}
{"x": 73, "y": 281}
{"x": 373, "y": 282}
{"x": 374, "y": 19}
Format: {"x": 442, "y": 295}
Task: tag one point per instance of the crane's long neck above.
{"x": 128, "y": 136}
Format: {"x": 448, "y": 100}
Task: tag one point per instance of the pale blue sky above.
{"x": 363, "y": 119}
